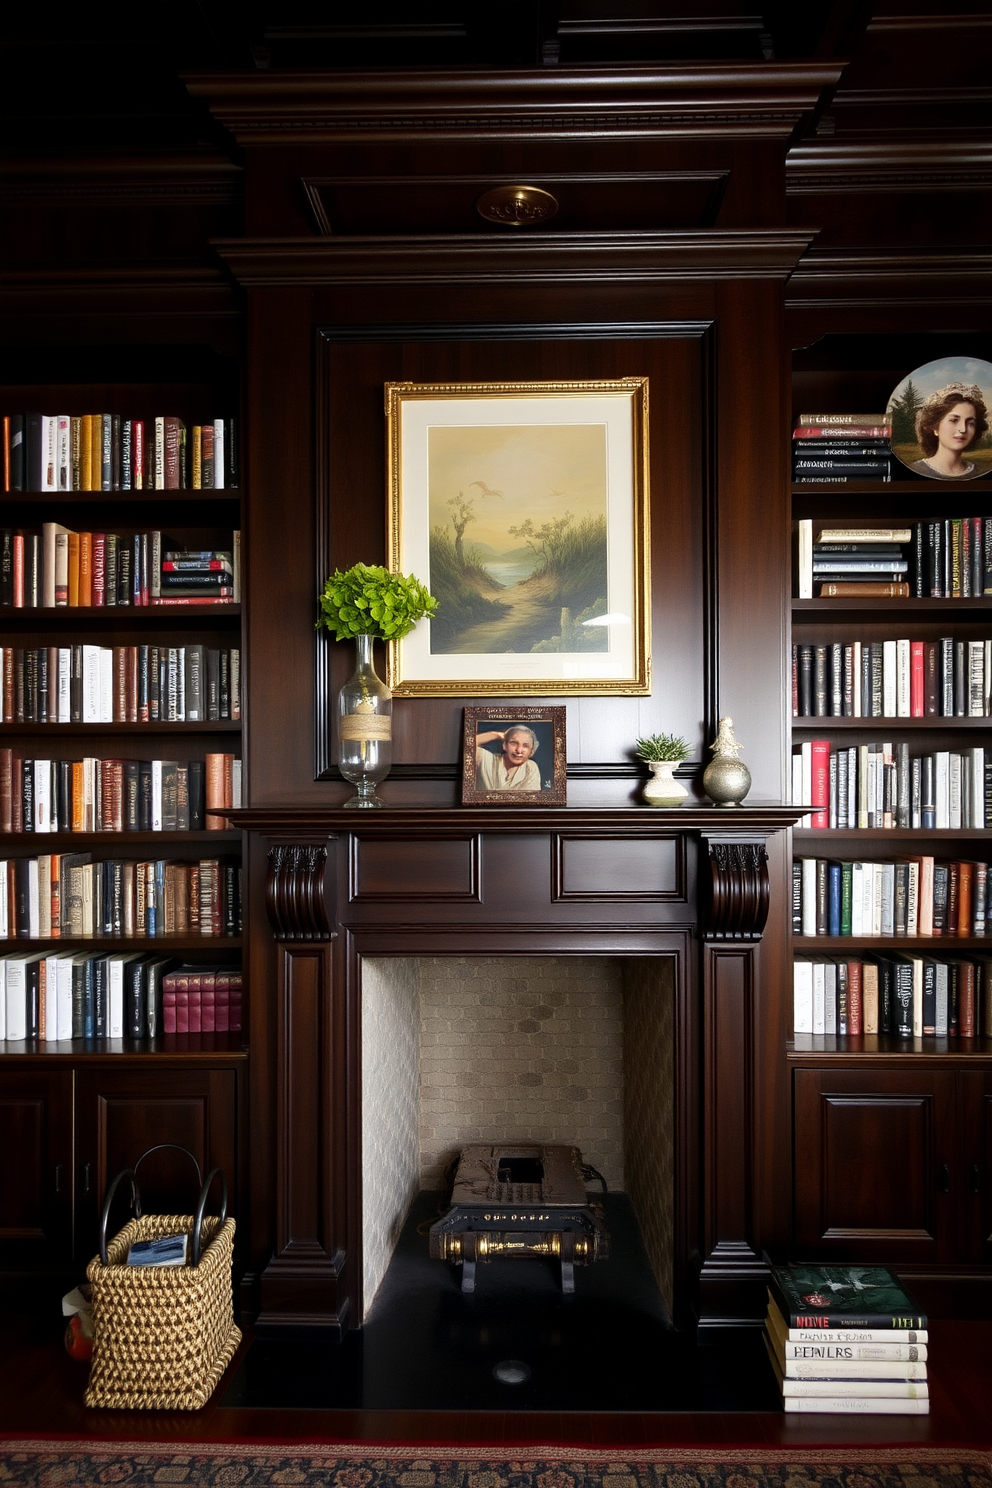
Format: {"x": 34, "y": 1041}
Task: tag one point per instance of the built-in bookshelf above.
{"x": 120, "y": 684}
{"x": 891, "y": 697}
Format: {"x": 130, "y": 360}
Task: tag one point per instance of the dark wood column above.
{"x": 300, "y": 1283}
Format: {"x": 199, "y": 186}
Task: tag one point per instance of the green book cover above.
{"x": 859, "y": 1296}
{"x": 846, "y": 876}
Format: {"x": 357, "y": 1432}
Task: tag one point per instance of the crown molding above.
{"x": 756, "y": 99}
{"x": 837, "y": 165}
{"x": 548, "y": 258}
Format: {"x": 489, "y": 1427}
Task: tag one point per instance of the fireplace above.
{"x": 442, "y": 976}
{"x": 459, "y": 1050}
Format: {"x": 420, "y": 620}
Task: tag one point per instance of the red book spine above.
{"x": 194, "y": 996}
{"x": 222, "y": 1001}
{"x": 168, "y": 1008}
{"x": 966, "y": 999}
{"x": 917, "y": 670}
{"x": 820, "y": 782}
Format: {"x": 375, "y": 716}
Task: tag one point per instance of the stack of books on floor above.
{"x": 832, "y": 447}
{"x": 846, "y": 1339}
{"x": 853, "y": 562}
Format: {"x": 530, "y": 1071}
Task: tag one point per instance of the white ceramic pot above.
{"x": 663, "y": 789}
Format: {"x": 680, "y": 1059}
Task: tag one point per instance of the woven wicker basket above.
{"x": 163, "y": 1335}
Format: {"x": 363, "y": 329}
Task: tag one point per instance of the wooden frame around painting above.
{"x": 524, "y": 509}
{"x": 514, "y": 755}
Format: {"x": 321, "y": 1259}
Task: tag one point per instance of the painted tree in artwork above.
{"x": 904, "y": 411}
{"x": 462, "y": 515}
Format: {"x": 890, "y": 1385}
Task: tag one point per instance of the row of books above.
{"x": 113, "y": 995}
{"x": 841, "y": 447}
{"x": 846, "y": 1340}
{"x": 938, "y": 558}
{"x": 880, "y": 785}
{"x": 153, "y": 683}
{"x": 117, "y": 795}
{"x": 900, "y": 678}
{"x": 56, "y": 567}
{"x": 913, "y": 896}
{"x": 907, "y": 994}
{"x": 115, "y": 452}
{"x": 64, "y": 895}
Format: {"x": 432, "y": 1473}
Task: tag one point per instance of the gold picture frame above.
{"x": 524, "y": 509}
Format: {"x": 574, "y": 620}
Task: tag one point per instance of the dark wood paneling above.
{"x": 873, "y": 1158}
{"x": 121, "y": 1113}
{"x": 420, "y": 867}
{"x": 612, "y": 869}
{"x": 36, "y": 1173}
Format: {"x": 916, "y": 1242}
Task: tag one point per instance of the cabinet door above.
{"x": 35, "y": 1166}
{"x": 874, "y": 1165}
{"x": 974, "y": 1163}
{"x": 122, "y": 1113}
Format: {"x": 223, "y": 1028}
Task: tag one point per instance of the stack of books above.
{"x": 846, "y": 1339}
{"x": 853, "y": 562}
{"x": 832, "y": 447}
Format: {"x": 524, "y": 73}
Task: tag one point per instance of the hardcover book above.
{"x": 831, "y": 1296}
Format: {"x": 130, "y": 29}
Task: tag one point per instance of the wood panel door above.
{"x": 35, "y": 1166}
{"x": 122, "y": 1113}
{"x": 874, "y": 1165}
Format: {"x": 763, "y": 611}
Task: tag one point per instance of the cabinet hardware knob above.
{"x": 976, "y": 1179}
{"x": 86, "y": 1178}
{"x": 58, "y": 1177}
{"x": 945, "y": 1178}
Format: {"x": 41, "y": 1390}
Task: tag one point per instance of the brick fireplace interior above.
{"x": 507, "y": 1049}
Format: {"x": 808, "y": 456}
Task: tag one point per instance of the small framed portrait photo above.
{"x": 514, "y": 755}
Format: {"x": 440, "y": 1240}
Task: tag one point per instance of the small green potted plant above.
{"x": 661, "y": 753}
{"x": 363, "y": 604}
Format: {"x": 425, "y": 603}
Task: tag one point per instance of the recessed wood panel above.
{"x": 613, "y": 868}
{"x": 415, "y": 868}
{"x": 873, "y": 1174}
{"x": 425, "y": 204}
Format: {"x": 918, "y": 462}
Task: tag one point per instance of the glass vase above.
{"x": 365, "y": 722}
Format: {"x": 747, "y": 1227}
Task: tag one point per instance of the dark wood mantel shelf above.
{"x": 748, "y": 820}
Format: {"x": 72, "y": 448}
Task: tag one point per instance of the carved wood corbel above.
{"x": 294, "y": 892}
{"x": 739, "y": 890}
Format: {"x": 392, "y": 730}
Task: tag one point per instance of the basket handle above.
{"x": 161, "y": 1147}
{"x": 201, "y": 1207}
{"x": 105, "y": 1212}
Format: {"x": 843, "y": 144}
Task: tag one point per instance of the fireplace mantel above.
{"x": 690, "y": 884}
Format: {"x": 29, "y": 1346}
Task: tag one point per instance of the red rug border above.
{"x": 851, "y": 1457}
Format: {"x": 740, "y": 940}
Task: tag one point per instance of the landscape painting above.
{"x": 523, "y": 509}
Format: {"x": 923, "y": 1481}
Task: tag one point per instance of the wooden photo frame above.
{"x": 500, "y": 764}
{"x": 523, "y": 507}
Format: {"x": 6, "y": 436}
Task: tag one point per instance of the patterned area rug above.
{"x": 64, "y": 1464}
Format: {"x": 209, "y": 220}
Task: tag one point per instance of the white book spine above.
{"x": 64, "y": 705}
{"x": 902, "y": 678}
{"x": 16, "y": 1001}
{"x": 819, "y": 997}
{"x": 220, "y": 463}
{"x": 802, "y": 997}
{"x": 855, "y": 1405}
{"x": 889, "y": 679}
{"x": 64, "y": 997}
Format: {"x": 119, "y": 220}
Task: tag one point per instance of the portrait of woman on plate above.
{"x": 513, "y": 768}
{"x": 948, "y": 424}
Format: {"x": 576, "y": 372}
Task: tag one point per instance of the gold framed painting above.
{"x": 524, "y": 509}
